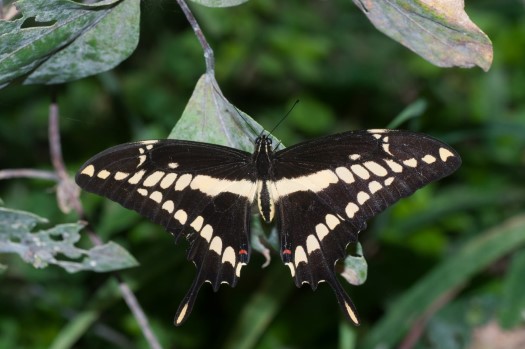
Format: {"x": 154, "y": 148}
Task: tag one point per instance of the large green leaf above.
{"x": 209, "y": 117}
{"x": 56, "y": 245}
{"x": 440, "y": 31}
{"x": 56, "y": 41}
{"x": 513, "y": 304}
{"x": 455, "y": 271}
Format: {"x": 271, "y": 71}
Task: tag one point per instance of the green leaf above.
{"x": 263, "y": 306}
{"x": 209, "y": 117}
{"x": 513, "y": 290}
{"x": 355, "y": 267}
{"x": 56, "y": 245}
{"x": 57, "y": 41}
{"x": 413, "y": 110}
{"x": 440, "y": 31}
{"x": 220, "y": 3}
{"x": 453, "y": 272}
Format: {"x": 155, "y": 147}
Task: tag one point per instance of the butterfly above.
{"x": 320, "y": 193}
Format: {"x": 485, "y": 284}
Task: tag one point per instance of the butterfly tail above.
{"x": 186, "y": 306}
{"x": 346, "y": 304}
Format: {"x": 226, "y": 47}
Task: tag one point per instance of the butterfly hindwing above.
{"x": 326, "y": 189}
{"x": 197, "y": 190}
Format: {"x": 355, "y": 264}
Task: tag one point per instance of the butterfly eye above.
{"x": 258, "y": 140}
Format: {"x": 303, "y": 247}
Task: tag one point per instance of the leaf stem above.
{"x": 27, "y": 173}
{"x": 208, "y": 51}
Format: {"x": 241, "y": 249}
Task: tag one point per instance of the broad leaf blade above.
{"x": 209, "y": 117}
{"x": 440, "y": 31}
{"x": 455, "y": 271}
{"x": 513, "y": 304}
{"x": 69, "y": 40}
{"x": 50, "y": 246}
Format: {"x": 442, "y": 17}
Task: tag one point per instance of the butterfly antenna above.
{"x": 285, "y": 116}
{"x": 254, "y": 131}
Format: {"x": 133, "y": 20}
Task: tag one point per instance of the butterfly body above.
{"x": 319, "y": 193}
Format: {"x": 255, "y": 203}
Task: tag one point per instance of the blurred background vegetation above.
{"x": 347, "y": 76}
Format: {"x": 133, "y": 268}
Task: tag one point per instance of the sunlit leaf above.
{"x": 438, "y": 30}
{"x": 56, "y": 41}
{"x": 56, "y": 245}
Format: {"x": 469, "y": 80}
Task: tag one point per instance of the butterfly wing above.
{"x": 197, "y": 190}
{"x": 325, "y": 190}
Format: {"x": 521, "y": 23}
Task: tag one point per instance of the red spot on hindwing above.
{"x": 243, "y": 251}
{"x": 287, "y": 251}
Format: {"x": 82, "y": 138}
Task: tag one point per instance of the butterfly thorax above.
{"x": 263, "y": 164}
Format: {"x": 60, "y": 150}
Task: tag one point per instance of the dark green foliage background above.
{"x": 347, "y": 75}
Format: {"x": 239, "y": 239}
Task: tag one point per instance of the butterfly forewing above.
{"x": 320, "y": 192}
{"x": 197, "y": 190}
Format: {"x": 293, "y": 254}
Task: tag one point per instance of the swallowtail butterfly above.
{"x": 319, "y": 192}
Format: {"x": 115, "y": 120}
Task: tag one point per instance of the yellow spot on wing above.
{"x": 444, "y": 154}
{"x": 88, "y": 171}
{"x": 183, "y": 181}
{"x": 374, "y": 186}
{"x": 207, "y": 232}
{"x": 121, "y": 175}
{"x": 332, "y": 221}
{"x": 182, "y": 314}
{"x": 360, "y": 171}
{"x": 156, "y": 196}
{"x": 410, "y": 162}
{"x": 351, "y": 313}
{"x": 135, "y": 179}
{"x": 300, "y": 255}
{"x": 345, "y": 174}
{"x": 321, "y": 230}
{"x": 153, "y": 178}
{"x": 351, "y": 209}
{"x": 216, "y": 245}
{"x": 168, "y": 206}
{"x": 228, "y": 256}
{"x": 429, "y": 159}
{"x": 197, "y": 223}
{"x": 103, "y": 174}
{"x": 394, "y": 166}
{"x": 376, "y": 169}
{"x": 312, "y": 244}
{"x": 181, "y": 216}
{"x": 362, "y": 197}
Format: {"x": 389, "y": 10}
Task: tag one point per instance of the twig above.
{"x": 208, "y": 51}
{"x": 60, "y": 168}
{"x": 417, "y": 329}
{"x": 28, "y": 173}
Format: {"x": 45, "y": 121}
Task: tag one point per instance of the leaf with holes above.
{"x": 440, "y": 31}
{"x": 56, "y": 41}
{"x": 56, "y": 245}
